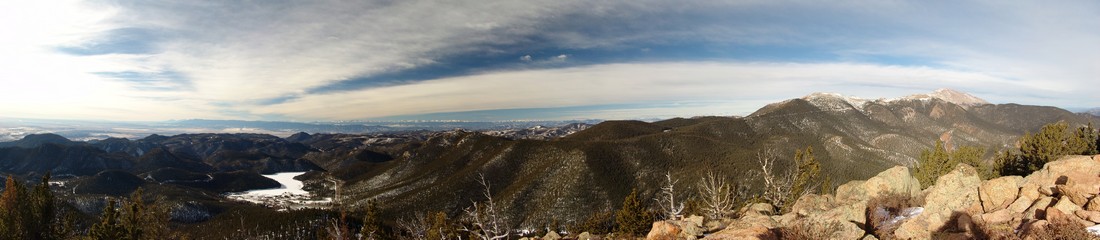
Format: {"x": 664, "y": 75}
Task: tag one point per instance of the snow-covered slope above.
{"x": 949, "y": 95}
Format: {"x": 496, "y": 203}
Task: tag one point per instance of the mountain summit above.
{"x": 950, "y": 95}
{"x": 836, "y": 101}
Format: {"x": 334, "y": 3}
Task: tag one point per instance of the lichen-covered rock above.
{"x": 753, "y": 221}
{"x": 1077, "y": 170}
{"x": 998, "y": 193}
{"x": 997, "y": 217}
{"x": 1066, "y": 205}
{"x": 1057, "y": 216}
{"x": 1020, "y": 205}
{"x": 551, "y": 236}
{"x": 952, "y": 193}
{"x": 1033, "y": 212}
{"x": 1075, "y": 193}
{"x": 586, "y": 236}
{"x": 695, "y": 219}
{"x": 1094, "y": 204}
{"x": 855, "y": 213}
{"x": 848, "y": 230}
{"x": 1029, "y": 191}
{"x": 762, "y": 209}
{"x": 895, "y": 180}
{"x": 1092, "y": 216}
{"x": 812, "y": 204}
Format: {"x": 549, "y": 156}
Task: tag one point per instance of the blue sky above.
{"x": 507, "y": 60}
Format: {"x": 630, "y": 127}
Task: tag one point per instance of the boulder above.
{"x": 1092, "y": 216}
{"x": 952, "y": 193}
{"x": 1030, "y": 227}
{"x": 998, "y": 193}
{"x": 997, "y": 217}
{"x": 551, "y": 236}
{"x": 1029, "y": 191}
{"x": 1078, "y": 170}
{"x": 1033, "y": 212}
{"x": 751, "y": 233}
{"x": 715, "y": 225}
{"x": 753, "y": 221}
{"x": 586, "y": 236}
{"x": 812, "y": 204}
{"x": 855, "y": 213}
{"x": 1057, "y": 216}
{"x": 1048, "y": 190}
{"x": 690, "y": 230}
{"x": 1066, "y": 205}
{"x": 695, "y": 219}
{"x": 762, "y": 209}
{"x": 895, "y": 180}
{"x": 1094, "y": 203}
{"x": 851, "y": 191}
{"x": 1020, "y": 205}
{"x": 663, "y": 230}
{"x": 848, "y": 230}
{"x": 785, "y": 219}
{"x": 1075, "y": 193}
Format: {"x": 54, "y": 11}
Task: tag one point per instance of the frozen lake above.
{"x": 288, "y": 195}
{"x": 289, "y": 185}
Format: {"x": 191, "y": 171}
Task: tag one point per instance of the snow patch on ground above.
{"x": 288, "y": 195}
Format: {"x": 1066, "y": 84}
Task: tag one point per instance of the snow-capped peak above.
{"x": 835, "y": 101}
{"x": 949, "y": 95}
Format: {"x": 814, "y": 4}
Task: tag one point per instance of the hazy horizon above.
{"x": 509, "y": 60}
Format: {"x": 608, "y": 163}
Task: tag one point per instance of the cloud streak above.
{"x": 726, "y": 87}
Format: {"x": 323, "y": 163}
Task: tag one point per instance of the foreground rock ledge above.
{"x": 958, "y": 206}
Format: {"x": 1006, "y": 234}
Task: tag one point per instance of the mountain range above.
{"x": 540, "y": 174}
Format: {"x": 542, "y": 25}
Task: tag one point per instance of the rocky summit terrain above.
{"x": 1059, "y": 200}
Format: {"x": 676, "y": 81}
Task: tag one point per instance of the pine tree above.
{"x": 132, "y": 216}
{"x": 109, "y": 226}
{"x": 632, "y": 219}
{"x": 933, "y": 164}
{"x": 440, "y": 228}
{"x": 1087, "y": 140}
{"x": 372, "y": 224}
{"x": 16, "y": 212}
{"x": 1051, "y": 142}
{"x": 809, "y": 172}
{"x": 42, "y": 218}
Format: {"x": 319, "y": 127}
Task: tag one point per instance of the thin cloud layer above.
{"x": 349, "y": 60}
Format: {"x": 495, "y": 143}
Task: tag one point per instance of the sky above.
{"x": 515, "y": 59}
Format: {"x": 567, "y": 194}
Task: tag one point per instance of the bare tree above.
{"x": 416, "y": 226}
{"x": 777, "y": 186}
{"x": 338, "y": 228}
{"x": 488, "y": 224}
{"x": 718, "y": 196}
{"x": 667, "y": 199}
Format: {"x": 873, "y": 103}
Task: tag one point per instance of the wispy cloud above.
{"x": 732, "y": 88}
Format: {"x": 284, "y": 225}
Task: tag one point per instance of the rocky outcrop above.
{"x": 959, "y": 206}
{"x": 953, "y": 192}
